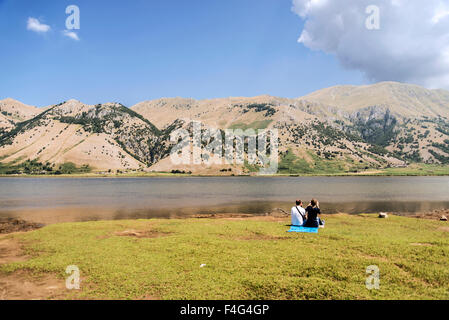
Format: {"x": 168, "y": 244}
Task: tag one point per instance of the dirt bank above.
{"x": 11, "y": 225}
{"x": 431, "y": 215}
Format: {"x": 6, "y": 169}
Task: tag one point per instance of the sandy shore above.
{"x": 11, "y": 225}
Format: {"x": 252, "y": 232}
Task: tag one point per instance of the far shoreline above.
{"x": 18, "y": 225}
{"x": 9, "y": 225}
{"x": 170, "y": 175}
{"x": 412, "y": 170}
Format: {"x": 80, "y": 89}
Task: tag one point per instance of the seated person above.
{"x": 313, "y": 210}
{"x": 298, "y": 214}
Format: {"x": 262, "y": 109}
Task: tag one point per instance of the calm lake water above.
{"x": 50, "y": 200}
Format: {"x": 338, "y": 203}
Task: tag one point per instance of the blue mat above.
{"x": 303, "y": 229}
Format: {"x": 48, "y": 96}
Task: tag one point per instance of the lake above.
{"x": 51, "y": 200}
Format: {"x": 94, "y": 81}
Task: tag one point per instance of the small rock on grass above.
{"x": 383, "y": 215}
{"x": 443, "y": 218}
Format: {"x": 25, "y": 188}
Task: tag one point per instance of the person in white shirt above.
{"x": 298, "y": 214}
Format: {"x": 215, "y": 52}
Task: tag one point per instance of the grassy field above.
{"x": 290, "y": 165}
{"x": 244, "y": 258}
{"x": 418, "y": 170}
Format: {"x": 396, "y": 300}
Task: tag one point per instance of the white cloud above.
{"x": 439, "y": 15}
{"x": 33, "y": 24}
{"x": 412, "y": 44}
{"x": 71, "y": 34}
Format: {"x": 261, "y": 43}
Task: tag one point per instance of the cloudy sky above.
{"x": 409, "y": 44}
{"x": 129, "y": 51}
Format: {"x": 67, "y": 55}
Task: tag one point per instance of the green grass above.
{"x": 246, "y": 259}
{"x": 263, "y": 124}
{"x": 418, "y": 170}
{"x": 36, "y": 168}
{"x": 251, "y": 168}
{"x": 292, "y": 164}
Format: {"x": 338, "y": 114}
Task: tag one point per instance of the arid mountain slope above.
{"x": 13, "y": 111}
{"x": 403, "y": 100}
{"x": 218, "y": 113}
{"x": 385, "y": 124}
{"x": 108, "y": 136}
{"x": 340, "y": 129}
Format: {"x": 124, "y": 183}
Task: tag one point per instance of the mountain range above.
{"x": 337, "y": 129}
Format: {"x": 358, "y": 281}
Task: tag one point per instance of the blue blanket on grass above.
{"x": 303, "y": 229}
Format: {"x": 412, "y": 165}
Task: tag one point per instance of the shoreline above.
{"x": 169, "y": 175}
{"x": 13, "y": 225}
{"x": 413, "y": 170}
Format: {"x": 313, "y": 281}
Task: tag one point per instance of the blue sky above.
{"x": 130, "y": 51}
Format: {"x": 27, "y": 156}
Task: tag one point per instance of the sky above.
{"x": 136, "y": 50}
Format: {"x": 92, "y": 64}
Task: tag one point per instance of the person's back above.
{"x": 313, "y": 210}
{"x": 298, "y": 214}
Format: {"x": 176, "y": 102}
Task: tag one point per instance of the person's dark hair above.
{"x": 314, "y": 202}
{"x": 298, "y": 202}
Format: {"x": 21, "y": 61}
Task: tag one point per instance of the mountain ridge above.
{"x": 341, "y": 128}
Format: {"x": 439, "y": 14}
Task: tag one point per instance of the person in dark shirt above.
{"x": 313, "y": 210}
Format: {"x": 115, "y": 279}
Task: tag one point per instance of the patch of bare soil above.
{"x": 141, "y": 233}
{"x": 10, "y": 251}
{"x": 432, "y": 215}
{"x": 22, "y": 285}
{"x": 11, "y": 225}
{"x": 444, "y": 229}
